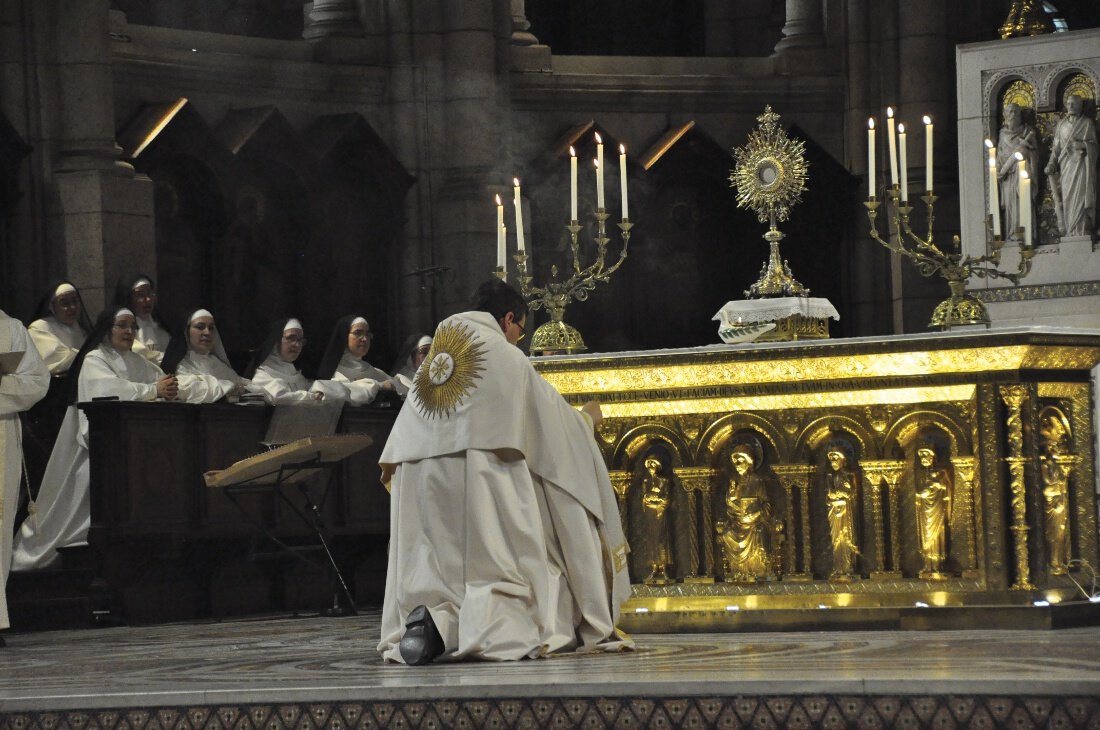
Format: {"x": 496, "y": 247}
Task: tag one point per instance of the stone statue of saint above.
{"x": 934, "y": 489}
{"x": 841, "y": 493}
{"x": 1072, "y": 167}
{"x": 746, "y": 532}
{"x": 1054, "y": 471}
{"x": 1016, "y": 136}
{"x": 655, "y": 524}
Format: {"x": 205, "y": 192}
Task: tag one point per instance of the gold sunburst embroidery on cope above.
{"x": 453, "y": 366}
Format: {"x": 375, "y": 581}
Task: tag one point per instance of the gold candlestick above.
{"x": 556, "y": 336}
{"x": 960, "y": 308}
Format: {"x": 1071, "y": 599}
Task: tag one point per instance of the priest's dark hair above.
{"x": 498, "y": 298}
{"x": 45, "y": 308}
{"x": 267, "y": 346}
{"x": 101, "y": 331}
{"x": 337, "y": 345}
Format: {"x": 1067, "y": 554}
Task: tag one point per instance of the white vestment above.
{"x": 61, "y": 514}
{"x": 503, "y": 521}
{"x": 281, "y": 382}
{"x": 363, "y": 380}
{"x": 56, "y": 342}
{"x": 151, "y": 340}
{"x": 18, "y": 391}
{"x": 207, "y": 378}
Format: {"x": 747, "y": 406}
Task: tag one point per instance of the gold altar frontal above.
{"x": 918, "y": 481}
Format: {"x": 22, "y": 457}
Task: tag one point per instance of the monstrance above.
{"x": 769, "y": 178}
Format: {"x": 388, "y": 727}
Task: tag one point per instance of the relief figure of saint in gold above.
{"x": 745, "y": 535}
{"x": 934, "y": 488}
{"x": 841, "y": 495}
{"x": 1054, "y": 469}
{"x": 656, "y": 531}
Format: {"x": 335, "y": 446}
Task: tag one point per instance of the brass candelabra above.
{"x": 960, "y": 308}
{"x": 556, "y": 336}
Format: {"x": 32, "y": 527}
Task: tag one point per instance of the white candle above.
{"x": 1021, "y": 166}
{"x": 928, "y": 153}
{"x": 1025, "y": 205}
{"x": 501, "y": 249}
{"x": 572, "y": 184}
{"x": 501, "y": 252}
{"x": 599, "y": 187}
{"x": 893, "y": 146}
{"x": 904, "y": 164}
{"x": 994, "y": 195}
{"x": 519, "y": 215}
{"x": 870, "y": 158}
{"x": 622, "y": 179}
{"x": 599, "y": 171}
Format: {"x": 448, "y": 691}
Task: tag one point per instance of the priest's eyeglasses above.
{"x": 522, "y": 331}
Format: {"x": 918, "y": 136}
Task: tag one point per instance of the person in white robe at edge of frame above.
{"x": 413, "y": 351}
{"x": 345, "y": 362}
{"x": 105, "y": 368}
{"x": 139, "y": 295}
{"x": 505, "y": 538}
{"x": 199, "y": 361}
{"x": 60, "y": 327}
{"x": 273, "y": 372}
{"x": 22, "y": 387}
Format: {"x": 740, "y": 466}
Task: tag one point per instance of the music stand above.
{"x": 294, "y": 463}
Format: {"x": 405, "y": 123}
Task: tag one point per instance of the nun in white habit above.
{"x": 413, "y": 351}
{"x": 139, "y": 295}
{"x": 344, "y": 362}
{"x": 60, "y": 327}
{"x": 273, "y": 372}
{"x": 199, "y": 361}
{"x": 106, "y": 366}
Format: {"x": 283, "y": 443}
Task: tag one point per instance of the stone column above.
{"x": 105, "y": 213}
{"x": 803, "y": 28}
{"x": 328, "y": 18}
{"x": 527, "y": 53}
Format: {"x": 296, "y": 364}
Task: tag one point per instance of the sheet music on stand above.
{"x": 293, "y": 421}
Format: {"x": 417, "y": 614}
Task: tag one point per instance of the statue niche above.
{"x": 1055, "y": 464}
{"x": 934, "y": 494}
{"x": 653, "y": 539}
{"x": 842, "y": 495}
{"x": 750, "y": 534}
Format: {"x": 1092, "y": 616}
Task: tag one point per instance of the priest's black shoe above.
{"x": 421, "y": 643}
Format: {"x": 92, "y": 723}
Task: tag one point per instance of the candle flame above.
{"x": 890, "y": 112}
{"x": 901, "y": 128}
{"x": 1018, "y": 155}
{"x": 572, "y": 152}
{"x": 1024, "y": 175}
{"x": 498, "y": 201}
{"x": 871, "y": 123}
{"x": 596, "y": 163}
{"x": 515, "y": 181}
{"x": 599, "y": 140}
{"x": 622, "y": 149}
{"x": 989, "y": 143}
{"x": 927, "y": 119}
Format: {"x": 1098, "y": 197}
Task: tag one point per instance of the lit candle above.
{"x": 519, "y": 215}
{"x": 572, "y": 184}
{"x": 1025, "y": 206}
{"x": 893, "y": 146}
{"x": 1021, "y": 166}
{"x": 904, "y": 164}
{"x": 501, "y": 253}
{"x": 599, "y": 187}
{"x": 599, "y": 171}
{"x": 870, "y": 158}
{"x": 622, "y": 179}
{"x": 928, "y": 153}
{"x": 994, "y": 194}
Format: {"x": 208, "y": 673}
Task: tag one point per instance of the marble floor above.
{"x": 327, "y": 672}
